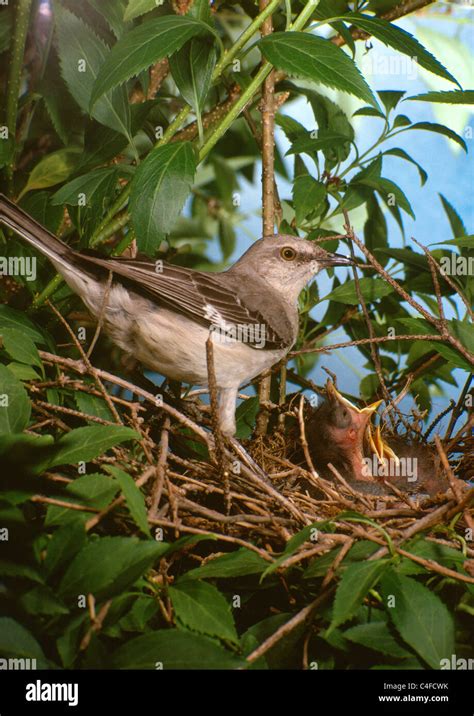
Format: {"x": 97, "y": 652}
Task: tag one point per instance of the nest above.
{"x": 250, "y": 493}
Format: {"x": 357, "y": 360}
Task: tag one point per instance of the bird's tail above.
{"x": 47, "y": 243}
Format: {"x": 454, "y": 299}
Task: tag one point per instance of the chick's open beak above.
{"x": 382, "y": 450}
{"x": 335, "y": 394}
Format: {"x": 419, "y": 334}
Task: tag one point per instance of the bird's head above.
{"x": 287, "y": 262}
{"x": 347, "y": 424}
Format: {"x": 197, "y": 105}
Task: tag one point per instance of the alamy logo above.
{"x": 401, "y": 467}
{"x": 39, "y": 691}
{"x": 12, "y": 664}
{"x": 456, "y": 663}
{"x": 18, "y": 266}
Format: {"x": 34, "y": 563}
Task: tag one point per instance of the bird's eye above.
{"x": 288, "y": 254}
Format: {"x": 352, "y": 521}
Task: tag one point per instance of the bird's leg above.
{"x": 227, "y": 399}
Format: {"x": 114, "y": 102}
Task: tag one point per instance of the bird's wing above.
{"x": 204, "y": 297}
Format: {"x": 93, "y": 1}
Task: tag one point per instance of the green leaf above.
{"x": 11, "y": 318}
{"x": 200, "y": 606}
{"x": 390, "y": 192}
{"x": 174, "y": 649}
{"x": 41, "y": 600}
{"x": 135, "y": 8}
{"x": 307, "y": 534}
{"x": 401, "y": 40}
{"x": 38, "y": 205}
{"x": 158, "y": 191}
{"x": 20, "y": 346}
{"x": 141, "y": 47}
{"x": 63, "y": 545}
{"x": 456, "y": 97}
{"x": 113, "y": 11}
{"x": 28, "y": 453}
{"x": 371, "y": 289}
{"x": 407, "y": 256}
{"x": 93, "y": 405}
{"x": 464, "y": 331}
{"x": 285, "y": 653}
{"x": 17, "y": 569}
{"x": 401, "y": 120}
{"x": 235, "y": 564}
{"x": 109, "y": 565}
{"x": 354, "y": 585}
{"x": 308, "y": 196}
{"x": 94, "y": 490}
{"x": 451, "y": 355}
{"x": 192, "y": 67}
{"x": 245, "y": 416}
{"x": 368, "y": 112}
{"x": 421, "y": 618}
{"x": 83, "y": 444}
{"x": 82, "y": 55}
{"x": 53, "y": 169}
{"x": 440, "y": 129}
{"x": 397, "y": 152}
{"x": 101, "y": 180}
{"x": 319, "y": 566}
{"x": 316, "y": 59}
{"x": 390, "y": 98}
{"x": 461, "y": 241}
{"x": 324, "y": 140}
{"x": 440, "y": 553}
{"x": 22, "y": 371}
{"x": 375, "y": 227}
{"x": 377, "y": 636}
{"x": 16, "y": 641}
{"x": 133, "y": 497}
{"x": 455, "y": 221}
{"x": 15, "y": 406}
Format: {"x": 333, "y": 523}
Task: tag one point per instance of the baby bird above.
{"x": 339, "y": 433}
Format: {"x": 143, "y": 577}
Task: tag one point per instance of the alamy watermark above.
{"x": 15, "y": 664}
{"x": 393, "y": 467}
{"x": 223, "y": 332}
{"x": 455, "y": 265}
{"x": 18, "y": 266}
{"x": 253, "y": 333}
{"x": 376, "y": 63}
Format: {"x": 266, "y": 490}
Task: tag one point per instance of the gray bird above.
{"x": 164, "y": 314}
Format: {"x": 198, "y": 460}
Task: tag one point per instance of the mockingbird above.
{"x": 163, "y": 314}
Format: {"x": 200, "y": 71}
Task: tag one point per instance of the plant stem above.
{"x": 47, "y": 291}
{"x": 268, "y": 194}
{"x": 14, "y": 78}
{"x": 247, "y": 34}
{"x": 257, "y": 81}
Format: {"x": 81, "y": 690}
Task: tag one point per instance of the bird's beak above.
{"x": 361, "y": 416}
{"x": 335, "y": 260}
{"x": 334, "y": 393}
{"x": 379, "y": 447}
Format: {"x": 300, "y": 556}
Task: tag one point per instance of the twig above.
{"x": 93, "y": 371}
{"x": 160, "y": 470}
{"x": 453, "y": 481}
{"x": 299, "y": 618}
{"x": 373, "y": 346}
{"x": 216, "y": 427}
{"x": 101, "y": 316}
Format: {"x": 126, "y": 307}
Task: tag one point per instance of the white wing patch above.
{"x": 212, "y": 314}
